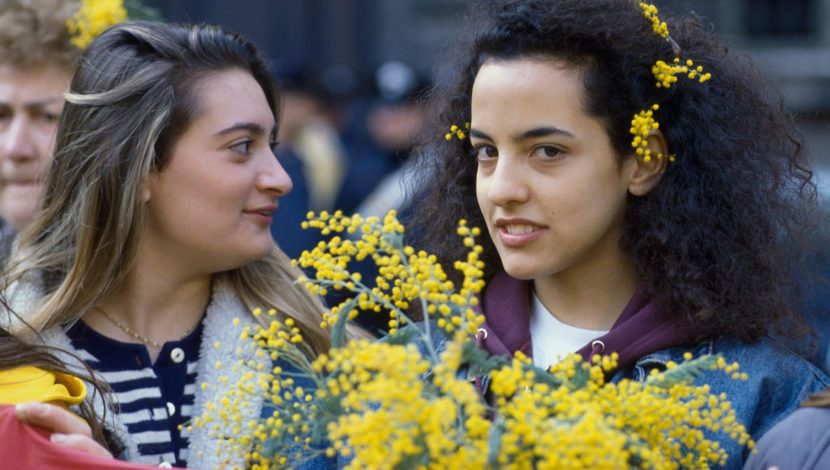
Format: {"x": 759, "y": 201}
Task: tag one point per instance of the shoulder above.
{"x": 224, "y": 308}
{"x": 777, "y": 380}
{"x": 769, "y": 361}
{"x": 772, "y": 370}
{"x": 22, "y": 296}
{"x": 766, "y": 362}
{"x": 801, "y": 441}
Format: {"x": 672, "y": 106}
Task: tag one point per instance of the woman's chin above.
{"x": 521, "y": 272}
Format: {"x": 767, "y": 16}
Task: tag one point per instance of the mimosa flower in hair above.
{"x": 93, "y": 18}
{"x": 666, "y": 75}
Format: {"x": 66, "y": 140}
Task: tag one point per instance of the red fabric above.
{"x": 23, "y": 447}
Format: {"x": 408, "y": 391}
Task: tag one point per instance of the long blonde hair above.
{"x": 131, "y": 97}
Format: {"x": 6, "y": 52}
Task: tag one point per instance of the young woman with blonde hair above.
{"x": 154, "y": 232}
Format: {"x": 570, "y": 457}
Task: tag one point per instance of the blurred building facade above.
{"x": 789, "y": 39}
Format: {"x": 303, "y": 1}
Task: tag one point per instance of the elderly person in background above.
{"x": 36, "y": 63}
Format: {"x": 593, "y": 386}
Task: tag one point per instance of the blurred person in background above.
{"x": 380, "y": 140}
{"x": 36, "y": 64}
{"x": 799, "y": 442}
{"x": 312, "y": 154}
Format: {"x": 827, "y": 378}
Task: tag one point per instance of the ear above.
{"x": 149, "y": 184}
{"x": 646, "y": 170}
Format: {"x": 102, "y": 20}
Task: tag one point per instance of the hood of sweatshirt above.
{"x": 641, "y": 328}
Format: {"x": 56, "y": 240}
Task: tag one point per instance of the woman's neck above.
{"x": 155, "y": 305}
{"x": 591, "y": 298}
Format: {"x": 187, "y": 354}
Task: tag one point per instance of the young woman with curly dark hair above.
{"x": 673, "y": 241}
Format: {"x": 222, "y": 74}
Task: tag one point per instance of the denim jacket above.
{"x": 646, "y": 338}
{"x": 778, "y": 380}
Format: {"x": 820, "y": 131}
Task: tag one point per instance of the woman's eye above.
{"x": 51, "y": 117}
{"x": 243, "y": 147}
{"x": 45, "y": 116}
{"x": 274, "y": 144}
{"x": 484, "y": 152}
{"x": 547, "y": 152}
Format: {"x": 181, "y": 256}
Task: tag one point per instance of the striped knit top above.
{"x": 152, "y": 399}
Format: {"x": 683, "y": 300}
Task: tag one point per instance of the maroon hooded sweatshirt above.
{"x": 640, "y": 329}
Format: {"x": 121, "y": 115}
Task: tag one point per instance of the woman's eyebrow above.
{"x": 251, "y": 127}
{"x": 534, "y": 133}
{"x": 541, "y": 132}
{"x": 480, "y": 135}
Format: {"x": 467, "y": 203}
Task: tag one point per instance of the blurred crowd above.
{"x": 345, "y": 140}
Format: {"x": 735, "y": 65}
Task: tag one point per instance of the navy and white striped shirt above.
{"x": 152, "y": 399}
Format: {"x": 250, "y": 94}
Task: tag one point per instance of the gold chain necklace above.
{"x": 132, "y": 333}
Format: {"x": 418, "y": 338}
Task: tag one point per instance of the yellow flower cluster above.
{"x": 394, "y": 415}
{"x": 292, "y": 394}
{"x": 584, "y": 422}
{"x": 659, "y": 27}
{"x": 405, "y": 276}
{"x": 405, "y": 402}
{"x": 384, "y": 405}
{"x": 641, "y": 125}
{"x": 93, "y": 18}
{"x": 667, "y": 74}
{"x": 375, "y": 402}
{"x": 456, "y": 131}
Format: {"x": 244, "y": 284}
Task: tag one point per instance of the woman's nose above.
{"x": 507, "y": 183}
{"x": 273, "y": 177}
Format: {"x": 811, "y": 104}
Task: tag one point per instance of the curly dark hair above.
{"x": 710, "y": 241}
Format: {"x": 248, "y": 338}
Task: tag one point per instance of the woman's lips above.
{"x": 262, "y": 215}
{"x": 515, "y": 233}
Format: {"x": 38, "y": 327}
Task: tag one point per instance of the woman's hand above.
{"x": 65, "y": 428}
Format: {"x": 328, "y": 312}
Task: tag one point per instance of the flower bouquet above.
{"x": 413, "y": 399}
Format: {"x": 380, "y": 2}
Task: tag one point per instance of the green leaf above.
{"x": 685, "y": 372}
{"x": 480, "y": 361}
{"x": 580, "y": 378}
{"x": 395, "y": 240}
{"x": 404, "y": 336}
{"x": 338, "y": 331}
{"x": 414, "y": 461}
{"x": 494, "y": 442}
{"x": 136, "y": 10}
{"x": 545, "y": 377}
